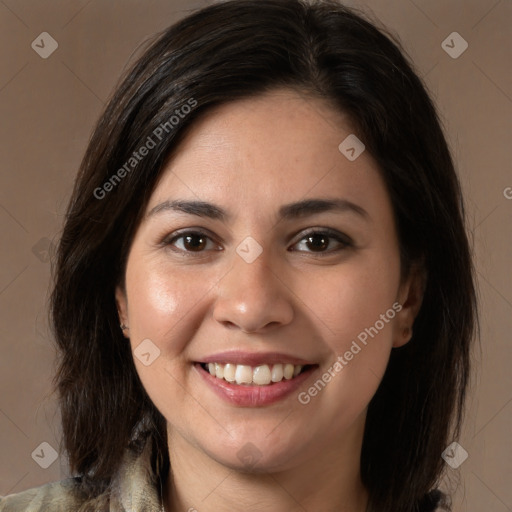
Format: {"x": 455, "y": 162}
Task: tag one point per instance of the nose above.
{"x": 252, "y": 298}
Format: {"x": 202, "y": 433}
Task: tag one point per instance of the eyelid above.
{"x": 202, "y": 232}
{"x": 333, "y": 233}
{"x": 340, "y": 237}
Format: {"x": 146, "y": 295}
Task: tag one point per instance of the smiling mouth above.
{"x": 261, "y": 375}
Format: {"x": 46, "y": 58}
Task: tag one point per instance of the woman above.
{"x": 264, "y": 292}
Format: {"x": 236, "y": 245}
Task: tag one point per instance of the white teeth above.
{"x": 243, "y": 374}
{"x": 229, "y": 372}
{"x": 288, "y": 371}
{"x": 262, "y": 375}
{"x": 277, "y": 373}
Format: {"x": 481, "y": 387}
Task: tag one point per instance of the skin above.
{"x": 250, "y": 157}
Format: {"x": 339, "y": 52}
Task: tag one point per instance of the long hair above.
{"x": 241, "y": 49}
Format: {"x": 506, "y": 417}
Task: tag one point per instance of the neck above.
{"x": 330, "y": 481}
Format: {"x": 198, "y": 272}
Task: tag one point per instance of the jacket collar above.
{"x": 136, "y": 486}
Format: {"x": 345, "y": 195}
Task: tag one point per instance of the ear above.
{"x": 410, "y": 297}
{"x": 122, "y": 308}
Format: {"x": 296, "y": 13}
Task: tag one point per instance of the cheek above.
{"x": 357, "y": 306}
{"x": 162, "y": 305}
{"x": 161, "y": 299}
{"x": 352, "y": 298}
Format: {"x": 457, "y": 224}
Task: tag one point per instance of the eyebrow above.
{"x": 300, "y": 209}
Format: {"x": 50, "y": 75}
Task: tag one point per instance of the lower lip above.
{"x": 253, "y": 395}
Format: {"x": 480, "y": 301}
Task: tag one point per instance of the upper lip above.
{"x": 253, "y": 358}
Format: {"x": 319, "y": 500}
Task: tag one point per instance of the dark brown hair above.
{"x": 241, "y": 49}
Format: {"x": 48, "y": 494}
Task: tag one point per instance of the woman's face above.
{"x": 256, "y": 283}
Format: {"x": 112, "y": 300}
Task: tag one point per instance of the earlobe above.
{"x": 410, "y": 297}
{"x": 122, "y": 310}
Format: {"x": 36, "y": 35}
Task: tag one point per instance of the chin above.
{"x": 256, "y": 454}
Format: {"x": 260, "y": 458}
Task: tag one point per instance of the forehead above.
{"x": 276, "y": 147}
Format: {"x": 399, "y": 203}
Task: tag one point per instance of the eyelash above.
{"x": 344, "y": 240}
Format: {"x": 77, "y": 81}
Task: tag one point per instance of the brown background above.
{"x": 48, "y": 108}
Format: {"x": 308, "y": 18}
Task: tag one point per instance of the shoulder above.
{"x": 55, "y": 496}
{"x": 132, "y": 487}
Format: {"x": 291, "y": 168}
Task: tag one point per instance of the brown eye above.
{"x": 316, "y": 242}
{"x": 194, "y": 242}
{"x": 189, "y": 242}
{"x": 319, "y": 241}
